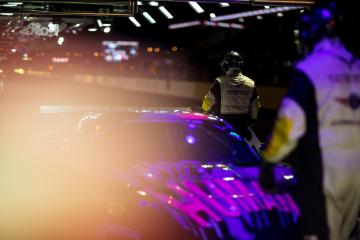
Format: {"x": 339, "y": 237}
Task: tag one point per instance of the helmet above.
{"x": 232, "y": 60}
{"x": 326, "y": 20}
{"x": 315, "y": 25}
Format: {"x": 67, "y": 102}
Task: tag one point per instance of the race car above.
{"x": 158, "y": 175}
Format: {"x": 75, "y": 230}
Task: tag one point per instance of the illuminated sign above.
{"x": 118, "y": 51}
{"x": 60, "y": 59}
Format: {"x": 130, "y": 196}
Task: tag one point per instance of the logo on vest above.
{"x": 353, "y": 101}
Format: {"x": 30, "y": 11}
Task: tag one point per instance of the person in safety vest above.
{"x": 233, "y": 96}
{"x": 318, "y": 123}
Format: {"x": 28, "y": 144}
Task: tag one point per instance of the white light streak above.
{"x": 212, "y": 15}
{"x": 92, "y": 29}
{"x": 154, "y": 4}
{"x": 134, "y": 21}
{"x": 99, "y": 22}
{"x": 207, "y": 166}
{"x": 148, "y": 17}
{"x": 288, "y": 177}
{"x": 255, "y": 13}
{"x": 224, "y": 4}
{"x": 228, "y": 179}
{"x": 196, "y": 7}
{"x": 165, "y": 12}
{"x": 184, "y": 25}
{"x": 142, "y": 193}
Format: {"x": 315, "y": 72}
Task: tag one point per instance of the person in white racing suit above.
{"x": 319, "y": 123}
{"x": 233, "y": 96}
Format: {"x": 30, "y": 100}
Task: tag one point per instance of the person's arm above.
{"x": 212, "y": 100}
{"x": 254, "y": 105}
{"x": 290, "y": 124}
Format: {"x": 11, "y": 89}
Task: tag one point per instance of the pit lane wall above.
{"x": 270, "y": 96}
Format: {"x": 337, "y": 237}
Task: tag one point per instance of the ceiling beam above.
{"x": 253, "y": 2}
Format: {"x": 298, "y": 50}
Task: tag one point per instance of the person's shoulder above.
{"x": 248, "y": 81}
{"x": 218, "y": 80}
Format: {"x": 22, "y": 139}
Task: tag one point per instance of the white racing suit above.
{"x": 319, "y": 123}
{"x": 234, "y": 98}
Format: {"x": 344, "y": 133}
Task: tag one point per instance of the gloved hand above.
{"x": 267, "y": 177}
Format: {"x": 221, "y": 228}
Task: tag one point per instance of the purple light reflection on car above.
{"x": 190, "y": 139}
{"x": 216, "y": 195}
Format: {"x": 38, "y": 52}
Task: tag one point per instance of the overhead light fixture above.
{"x": 205, "y": 23}
{"x": 277, "y": 10}
{"x": 259, "y": 17}
{"x": 165, "y": 12}
{"x": 212, "y": 15}
{"x": 148, "y": 17}
{"x": 280, "y": 14}
{"x": 99, "y": 22}
{"x": 92, "y": 29}
{"x": 267, "y": 7}
{"x": 6, "y": 14}
{"x": 196, "y": 7}
{"x": 154, "y": 4}
{"x": 107, "y": 29}
{"x": 77, "y": 25}
{"x": 134, "y": 21}
{"x": 139, "y": 3}
{"x": 14, "y": 3}
{"x": 184, "y": 24}
{"x": 106, "y": 24}
{"x": 224, "y": 4}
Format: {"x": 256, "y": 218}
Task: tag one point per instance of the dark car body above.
{"x": 158, "y": 175}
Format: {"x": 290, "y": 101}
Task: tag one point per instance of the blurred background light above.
{"x": 134, "y": 21}
{"x": 196, "y": 7}
{"x": 148, "y": 17}
{"x": 165, "y": 12}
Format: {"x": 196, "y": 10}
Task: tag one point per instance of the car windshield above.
{"x": 133, "y": 142}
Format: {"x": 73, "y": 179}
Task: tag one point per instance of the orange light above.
{"x": 20, "y": 71}
{"x": 157, "y": 50}
{"x": 96, "y": 54}
{"x": 149, "y": 49}
{"x": 50, "y": 67}
{"x": 174, "y": 49}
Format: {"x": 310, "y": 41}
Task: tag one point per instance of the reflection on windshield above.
{"x": 134, "y": 142}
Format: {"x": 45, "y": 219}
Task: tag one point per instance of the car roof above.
{"x": 129, "y": 113}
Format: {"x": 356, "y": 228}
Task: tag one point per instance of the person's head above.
{"x": 328, "y": 20}
{"x": 232, "y": 60}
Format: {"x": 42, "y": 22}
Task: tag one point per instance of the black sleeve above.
{"x": 254, "y": 95}
{"x": 301, "y": 90}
